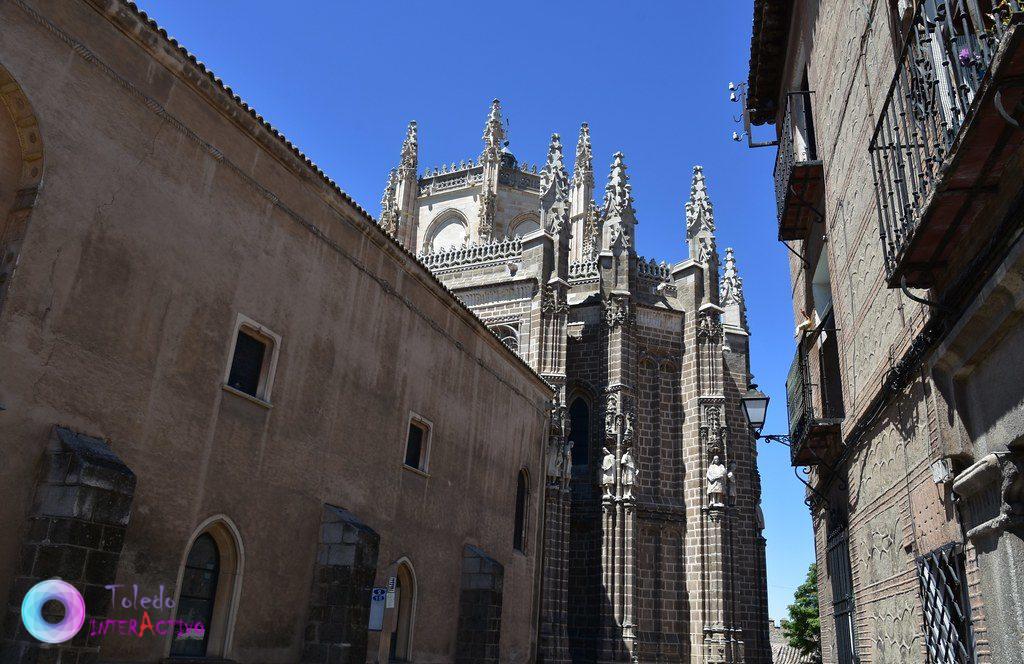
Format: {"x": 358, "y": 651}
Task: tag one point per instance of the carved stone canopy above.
{"x": 619, "y": 311}
{"x": 709, "y": 328}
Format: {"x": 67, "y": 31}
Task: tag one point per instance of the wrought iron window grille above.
{"x": 949, "y": 635}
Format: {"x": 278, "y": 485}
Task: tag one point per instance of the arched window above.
{"x": 579, "y": 435}
{"x": 524, "y": 225}
{"x": 197, "y": 596}
{"x": 405, "y": 605}
{"x": 448, "y": 232}
{"x": 522, "y": 492}
{"x": 210, "y": 581}
{"x": 509, "y": 335}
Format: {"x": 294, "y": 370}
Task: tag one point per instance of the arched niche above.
{"x": 579, "y": 432}
{"x": 523, "y": 225}
{"x": 21, "y": 173}
{"x": 448, "y": 230}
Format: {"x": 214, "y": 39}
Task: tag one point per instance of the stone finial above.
{"x": 700, "y": 215}
{"x": 410, "y": 149}
{"x": 583, "y": 170}
{"x": 389, "y": 204}
{"x": 494, "y": 133}
{"x": 554, "y": 174}
{"x": 700, "y": 224}
{"x": 731, "y": 288}
{"x": 617, "y": 198}
{"x": 592, "y": 231}
{"x": 730, "y": 292}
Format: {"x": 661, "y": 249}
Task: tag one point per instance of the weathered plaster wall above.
{"x": 161, "y": 220}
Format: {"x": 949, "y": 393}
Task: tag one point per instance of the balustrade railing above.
{"x": 946, "y": 55}
{"x": 519, "y": 179}
{"x": 473, "y": 254}
{"x": 652, "y": 269}
{"x": 455, "y": 179}
{"x": 583, "y": 270}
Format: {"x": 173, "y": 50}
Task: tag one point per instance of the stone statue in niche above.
{"x": 566, "y": 457}
{"x": 608, "y": 473}
{"x": 716, "y": 483}
{"x": 730, "y": 483}
{"x": 627, "y": 434}
{"x": 554, "y": 458}
{"x": 628, "y": 474}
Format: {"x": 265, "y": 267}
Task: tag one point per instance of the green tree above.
{"x": 803, "y": 629}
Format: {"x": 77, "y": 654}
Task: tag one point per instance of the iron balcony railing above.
{"x": 813, "y": 395}
{"x": 946, "y": 55}
{"x": 798, "y": 169}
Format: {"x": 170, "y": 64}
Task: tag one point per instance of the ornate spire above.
{"x": 583, "y": 170}
{"x": 699, "y": 214}
{"x": 494, "y": 134}
{"x": 730, "y": 292}
{"x": 700, "y": 223}
{"x": 617, "y": 198}
{"x": 591, "y": 232}
{"x": 389, "y": 204}
{"x": 554, "y": 191}
{"x": 553, "y": 174}
{"x": 410, "y": 149}
{"x": 731, "y": 289}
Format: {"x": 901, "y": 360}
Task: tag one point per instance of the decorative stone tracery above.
{"x": 593, "y": 311}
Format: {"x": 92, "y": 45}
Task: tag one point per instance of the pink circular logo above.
{"x": 32, "y": 611}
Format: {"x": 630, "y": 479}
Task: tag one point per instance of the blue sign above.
{"x": 377, "y": 597}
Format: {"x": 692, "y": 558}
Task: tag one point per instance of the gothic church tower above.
{"x": 652, "y": 536}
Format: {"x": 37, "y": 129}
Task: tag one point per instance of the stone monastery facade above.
{"x": 653, "y": 547}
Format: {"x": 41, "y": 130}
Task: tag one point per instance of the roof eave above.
{"x": 768, "y": 41}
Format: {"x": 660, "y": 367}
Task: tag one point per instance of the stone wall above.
{"x": 339, "y": 607}
{"x": 905, "y": 390}
{"x": 119, "y": 322}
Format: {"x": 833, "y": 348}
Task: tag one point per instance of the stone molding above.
{"x": 493, "y": 295}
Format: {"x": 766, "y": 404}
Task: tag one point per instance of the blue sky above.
{"x": 342, "y": 79}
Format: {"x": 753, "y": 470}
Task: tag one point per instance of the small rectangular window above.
{"x": 247, "y": 363}
{"x": 414, "y": 446}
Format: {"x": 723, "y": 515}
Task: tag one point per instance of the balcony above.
{"x": 943, "y": 136}
{"x": 814, "y": 397}
{"x": 799, "y": 177}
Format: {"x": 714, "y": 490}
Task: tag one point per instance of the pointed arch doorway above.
{"x": 405, "y": 613}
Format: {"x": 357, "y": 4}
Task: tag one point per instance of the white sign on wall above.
{"x": 377, "y": 597}
{"x": 390, "y": 602}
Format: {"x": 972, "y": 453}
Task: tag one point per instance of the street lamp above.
{"x": 755, "y": 408}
